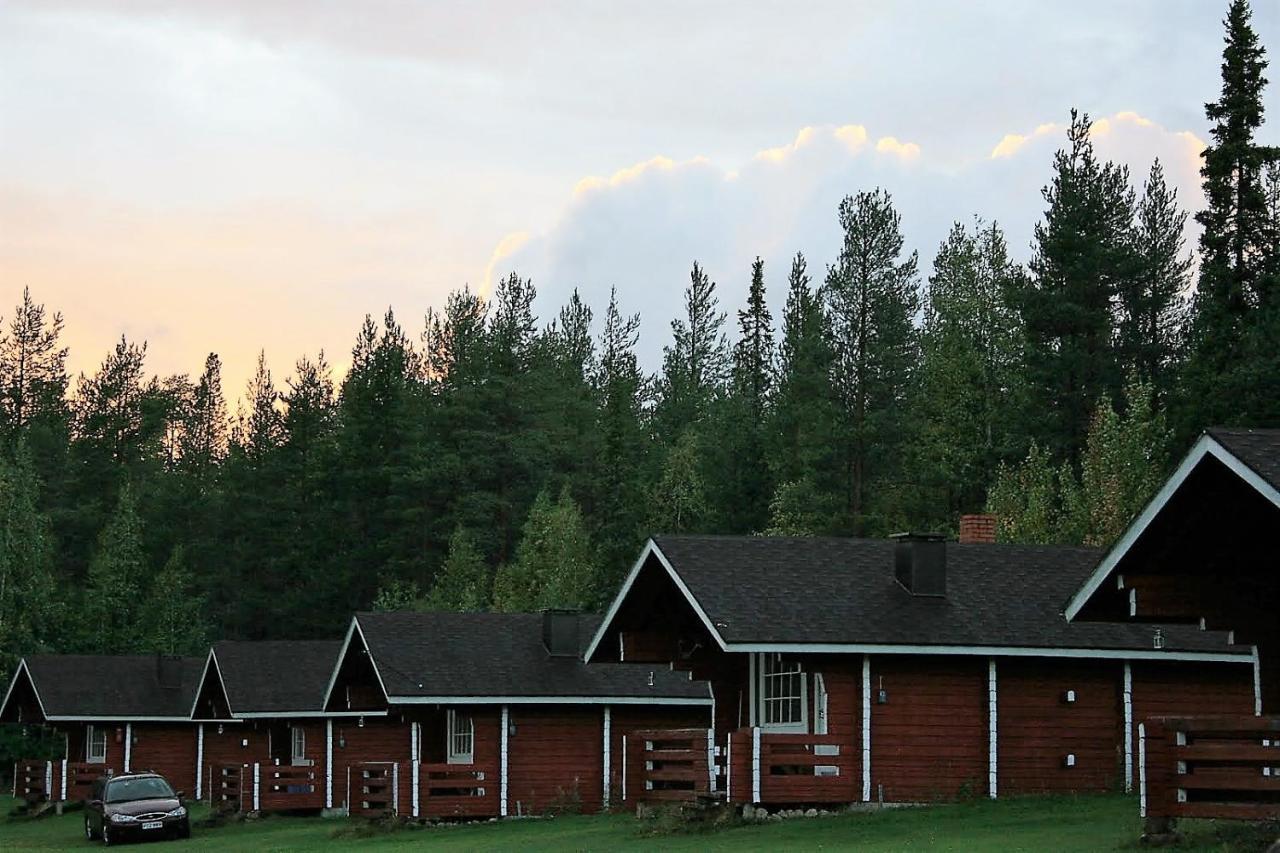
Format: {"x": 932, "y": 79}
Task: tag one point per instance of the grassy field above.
{"x": 1094, "y": 823}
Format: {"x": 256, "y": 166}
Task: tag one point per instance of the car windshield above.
{"x": 143, "y": 788}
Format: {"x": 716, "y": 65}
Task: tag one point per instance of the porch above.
{"x": 41, "y": 781}
{"x": 747, "y": 766}
{"x": 1208, "y": 767}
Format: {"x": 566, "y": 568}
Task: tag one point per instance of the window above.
{"x": 461, "y": 738}
{"x": 298, "y": 756}
{"x": 783, "y": 705}
{"x": 95, "y": 749}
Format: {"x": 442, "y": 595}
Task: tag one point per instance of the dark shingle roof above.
{"x": 501, "y": 654}
{"x": 276, "y": 675}
{"x": 827, "y": 590}
{"x": 112, "y": 686}
{"x": 1257, "y": 448}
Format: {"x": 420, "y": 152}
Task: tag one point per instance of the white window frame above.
{"x": 768, "y": 681}
{"x": 298, "y": 746}
{"x": 460, "y": 738}
{"x": 90, "y": 732}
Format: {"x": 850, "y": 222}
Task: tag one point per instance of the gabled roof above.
{"x": 757, "y": 593}
{"x": 1259, "y": 449}
{"x": 274, "y": 677}
{"x": 1252, "y": 455}
{"x": 111, "y": 687}
{"x": 499, "y": 657}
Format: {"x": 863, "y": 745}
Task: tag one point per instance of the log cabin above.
{"x": 117, "y": 713}
{"x": 503, "y": 717}
{"x": 912, "y": 669}
{"x": 1199, "y": 553}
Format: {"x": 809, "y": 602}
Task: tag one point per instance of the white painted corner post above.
{"x": 608, "y": 740}
{"x": 414, "y": 738}
{"x": 1257, "y": 684}
{"x": 866, "y": 728}
{"x": 48, "y": 778}
{"x": 993, "y": 730}
{"x": 257, "y": 786}
{"x": 502, "y": 763}
{"x": 128, "y": 747}
{"x": 199, "y": 761}
{"x": 64, "y": 780}
{"x": 1142, "y": 770}
{"x": 328, "y": 764}
{"x": 728, "y": 767}
{"x": 755, "y": 764}
{"x": 711, "y": 759}
{"x": 1128, "y": 727}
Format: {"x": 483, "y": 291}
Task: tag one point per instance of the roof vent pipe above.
{"x": 920, "y": 563}
{"x": 560, "y": 633}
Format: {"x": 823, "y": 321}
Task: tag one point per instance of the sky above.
{"x": 239, "y": 176}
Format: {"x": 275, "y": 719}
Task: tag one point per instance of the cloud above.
{"x": 641, "y": 228}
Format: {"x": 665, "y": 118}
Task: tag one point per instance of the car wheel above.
{"x": 106, "y": 838}
{"x": 184, "y": 829}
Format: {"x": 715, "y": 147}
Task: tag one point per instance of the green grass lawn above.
{"x": 1091, "y": 823}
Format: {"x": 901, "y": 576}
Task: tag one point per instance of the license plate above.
{"x": 152, "y": 824}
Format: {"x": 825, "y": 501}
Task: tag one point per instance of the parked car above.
{"x": 135, "y": 805}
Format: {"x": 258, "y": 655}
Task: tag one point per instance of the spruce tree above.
{"x": 173, "y": 616}
{"x": 112, "y": 596}
{"x": 554, "y": 565}
{"x": 804, "y": 414}
{"x": 872, "y": 293}
{"x": 33, "y": 373}
{"x": 1218, "y": 386}
{"x": 29, "y": 601}
{"x": 1151, "y": 303}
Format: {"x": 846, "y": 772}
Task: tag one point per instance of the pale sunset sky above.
{"x": 230, "y": 176}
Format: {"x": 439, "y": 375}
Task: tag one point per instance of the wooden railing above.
{"x": 1212, "y": 767}
{"x": 80, "y": 778}
{"x": 226, "y": 786}
{"x": 765, "y": 767}
{"x": 33, "y": 780}
{"x": 372, "y": 787}
{"x": 668, "y": 764}
{"x": 288, "y": 788}
{"x": 458, "y": 790}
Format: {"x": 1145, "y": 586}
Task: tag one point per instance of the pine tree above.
{"x": 173, "y": 616}
{"x": 1151, "y": 305}
{"x": 970, "y": 373}
{"x": 258, "y": 431}
{"x": 29, "y": 601}
{"x": 463, "y": 583}
{"x": 33, "y": 373}
{"x": 1083, "y": 257}
{"x": 694, "y": 363}
{"x": 1218, "y": 385}
{"x": 872, "y": 293}
{"x": 116, "y": 573}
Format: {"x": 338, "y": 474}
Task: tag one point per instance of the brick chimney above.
{"x": 977, "y": 528}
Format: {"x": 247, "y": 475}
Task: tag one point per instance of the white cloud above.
{"x": 641, "y": 228}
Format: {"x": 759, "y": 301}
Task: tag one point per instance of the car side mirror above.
{"x": 180, "y": 795}
{"x": 95, "y": 804}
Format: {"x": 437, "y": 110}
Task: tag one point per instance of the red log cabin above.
{"x": 500, "y": 715}
{"x": 910, "y": 670}
{"x": 116, "y": 713}
{"x": 1200, "y": 553}
{"x": 763, "y": 670}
